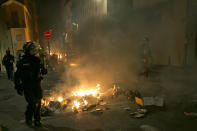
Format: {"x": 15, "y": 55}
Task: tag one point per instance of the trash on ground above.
{"x": 130, "y": 95}
{"x": 150, "y": 101}
{"x": 140, "y": 113}
{"x": 90, "y": 107}
{"x": 127, "y": 108}
{"x": 137, "y": 115}
{"x": 54, "y": 104}
{"x": 102, "y": 103}
{"x": 139, "y": 101}
{"x": 45, "y": 111}
{"x": 97, "y": 112}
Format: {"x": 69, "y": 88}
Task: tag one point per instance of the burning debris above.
{"x": 93, "y": 100}
{"x": 51, "y": 105}
{"x": 80, "y": 100}
{"x": 84, "y": 99}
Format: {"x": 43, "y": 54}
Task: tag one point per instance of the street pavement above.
{"x": 176, "y": 85}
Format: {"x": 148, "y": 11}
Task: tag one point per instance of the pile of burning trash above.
{"x": 94, "y": 100}
{"x": 78, "y": 100}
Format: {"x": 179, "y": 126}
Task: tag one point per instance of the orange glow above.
{"x": 76, "y": 105}
{"x": 73, "y": 64}
{"x": 60, "y": 56}
{"x": 85, "y": 102}
{"x": 82, "y": 93}
{"x": 44, "y": 102}
{"x": 60, "y": 99}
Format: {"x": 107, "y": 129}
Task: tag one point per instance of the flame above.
{"x": 60, "y": 99}
{"x": 81, "y": 99}
{"x": 76, "y": 105}
{"x": 82, "y": 93}
{"x": 85, "y": 102}
{"x": 60, "y": 56}
{"x": 98, "y": 85}
{"x": 44, "y": 102}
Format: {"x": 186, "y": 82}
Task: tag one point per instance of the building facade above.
{"x": 5, "y": 38}
{"x": 76, "y": 14}
{"x": 20, "y": 18}
{"x": 160, "y": 20}
{"x": 19, "y": 23}
{"x": 191, "y": 45}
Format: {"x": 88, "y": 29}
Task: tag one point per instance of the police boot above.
{"x": 28, "y": 122}
{"x": 37, "y": 123}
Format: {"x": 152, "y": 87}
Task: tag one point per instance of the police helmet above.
{"x": 8, "y": 51}
{"x": 29, "y": 46}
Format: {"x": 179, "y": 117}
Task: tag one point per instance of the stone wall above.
{"x": 5, "y": 38}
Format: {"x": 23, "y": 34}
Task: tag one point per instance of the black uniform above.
{"x": 8, "y": 61}
{"x": 28, "y": 79}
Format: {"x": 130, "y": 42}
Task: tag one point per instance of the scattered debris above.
{"x": 54, "y": 104}
{"x": 45, "y": 111}
{"x": 116, "y": 90}
{"x": 133, "y": 95}
{"x": 84, "y": 109}
{"x": 150, "y": 101}
{"x": 130, "y": 94}
{"x": 127, "y": 108}
{"x": 153, "y": 101}
{"x": 97, "y": 112}
{"x": 137, "y": 115}
{"x": 139, "y": 101}
{"x": 90, "y": 107}
{"x": 140, "y": 113}
{"x": 75, "y": 110}
{"x": 102, "y": 103}
{"x": 107, "y": 108}
{"x": 143, "y": 111}
{"x": 93, "y": 101}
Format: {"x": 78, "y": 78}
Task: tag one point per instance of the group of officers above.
{"x": 30, "y": 69}
{"x": 27, "y": 80}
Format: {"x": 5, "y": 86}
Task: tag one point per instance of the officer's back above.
{"x": 30, "y": 68}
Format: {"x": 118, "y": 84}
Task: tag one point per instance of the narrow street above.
{"x": 103, "y": 65}
{"x": 177, "y": 86}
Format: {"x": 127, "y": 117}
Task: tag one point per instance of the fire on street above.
{"x": 98, "y": 65}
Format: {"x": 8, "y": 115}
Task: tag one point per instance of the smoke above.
{"x": 106, "y": 54}
{"x": 107, "y": 49}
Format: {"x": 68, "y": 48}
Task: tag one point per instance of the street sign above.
{"x": 47, "y": 34}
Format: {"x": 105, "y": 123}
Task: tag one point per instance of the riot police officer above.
{"x": 28, "y": 81}
{"x": 8, "y": 62}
